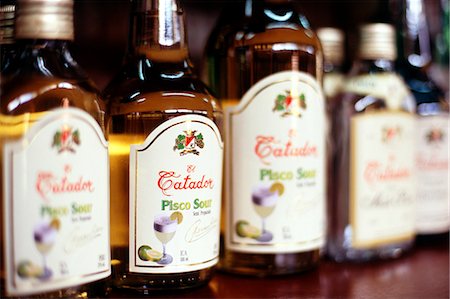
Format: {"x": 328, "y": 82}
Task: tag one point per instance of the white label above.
{"x": 175, "y": 197}
{"x": 275, "y": 166}
{"x": 432, "y": 174}
{"x": 382, "y": 180}
{"x": 57, "y": 204}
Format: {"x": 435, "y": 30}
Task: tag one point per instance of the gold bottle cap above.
{"x": 44, "y": 19}
{"x": 377, "y": 41}
{"x": 332, "y": 40}
{"x": 7, "y": 24}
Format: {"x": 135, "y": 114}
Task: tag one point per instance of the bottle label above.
{"x": 276, "y": 166}
{"x": 56, "y": 191}
{"x": 175, "y": 197}
{"x": 432, "y": 174}
{"x": 382, "y": 178}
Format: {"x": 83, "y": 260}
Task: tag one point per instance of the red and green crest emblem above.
{"x": 188, "y": 143}
{"x": 66, "y": 139}
{"x": 288, "y": 104}
{"x": 435, "y": 136}
{"x": 390, "y": 133}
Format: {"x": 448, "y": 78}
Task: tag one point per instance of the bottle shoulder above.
{"x": 40, "y": 75}
{"x": 363, "y": 67}
{"x": 43, "y": 76}
{"x": 46, "y": 59}
{"x": 31, "y": 92}
{"x": 277, "y": 33}
{"x": 272, "y": 24}
{"x": 373, "y": 88}
{"x": 421, "y": 85}
{"x": 133, "y": 91}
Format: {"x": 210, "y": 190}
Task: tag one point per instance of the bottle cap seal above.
{"x": 332, "y": 40}
{"x": 45, "y": 19}
{"x": 7, "y": 24}
{"x": 377, "y": 41}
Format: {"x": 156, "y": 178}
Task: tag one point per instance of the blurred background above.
{"x": 101, "y": 27}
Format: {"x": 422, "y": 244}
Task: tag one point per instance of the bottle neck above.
{"x": 414, "y": 42}
{"x": 35, "y": 47}
{"x": 158, "y": 31}
{"x": 47, "y": 58}
{"x": 330, "y": 67}
{"x": 371, "y": 66}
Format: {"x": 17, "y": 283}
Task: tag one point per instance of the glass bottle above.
{"x": 332, "y": 40}
{"x": 275, "y": 163}
{"x": 166, "y": 159}
{"x": 372, "y": 177}
{"x": 54, "y": 164}
{"x": 7, "y": 46}
{"x": 432, "y": 123}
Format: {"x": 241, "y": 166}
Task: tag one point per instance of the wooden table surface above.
{"x": 422, "y": 273}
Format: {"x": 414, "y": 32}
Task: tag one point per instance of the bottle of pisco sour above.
{"x": 166, "y": 159}
{"x": 275, "y": 154}
{"x": 54, "y": 164}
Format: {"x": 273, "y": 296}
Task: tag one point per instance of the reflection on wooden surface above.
{"x": 423, "y": 273}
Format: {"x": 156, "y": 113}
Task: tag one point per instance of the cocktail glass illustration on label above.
{"x": 264, "y": 201}
{"x": 45, "y": 233}
{"x": 165, "y": 229}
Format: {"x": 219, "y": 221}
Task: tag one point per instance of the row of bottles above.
{"x": 431, "y": 107}
{"x": 378, "y": 166}
{"x": 150, "y": 215}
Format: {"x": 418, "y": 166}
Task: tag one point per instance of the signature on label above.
{"x": 200, "y": 229}
{"x": 79, "y": 238}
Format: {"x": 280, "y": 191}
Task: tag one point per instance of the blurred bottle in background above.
{"x": 439, "y": 70}
{"x": 332, "y": 40}
{"x": 372, "y": 175}
{"x": 414, "y": 62}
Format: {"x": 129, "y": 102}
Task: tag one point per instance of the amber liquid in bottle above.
{"x": 41, "y": 78}
{"x": 15, "y": 123}
{"x": 260, "y": 48}
{"x": 156, "y": 85}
